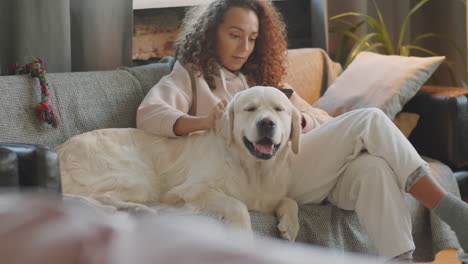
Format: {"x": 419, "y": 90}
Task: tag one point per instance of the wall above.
{"x": 70, "y": 35}
{"x": 448, "y": 18}
{"x": 31, "y": 29}
{"x": 101, "y": 34}
{"x": 5, "y": 30}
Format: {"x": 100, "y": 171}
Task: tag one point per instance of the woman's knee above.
{"x": 370, "y": 116}
{"x": 373, "y": 112}
{"x": 369, "y": 111}
{"x": 368, "y": 169}
{"x": 363, "y": 177}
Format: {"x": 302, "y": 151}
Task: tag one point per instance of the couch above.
{"x": 86, "y": 101}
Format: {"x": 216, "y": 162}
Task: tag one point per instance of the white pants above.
{"x": 360, "y": 161}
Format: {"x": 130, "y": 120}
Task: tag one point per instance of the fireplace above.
{"x": 154, "y": 33}
{"x": 155, "y": 29}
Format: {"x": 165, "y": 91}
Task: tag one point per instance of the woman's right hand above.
{"x": 215, "y": 114}
{"x": 188, "y": 124}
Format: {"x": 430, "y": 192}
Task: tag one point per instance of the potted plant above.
{"x": 378, "y": 39}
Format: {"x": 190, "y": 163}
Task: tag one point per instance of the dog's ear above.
{"x": 296, "y": 130}
{"x": 225, "y": 124}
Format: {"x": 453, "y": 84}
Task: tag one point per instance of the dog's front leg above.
{"x": 287, "y": 215}
{"x": 232, "y": 210}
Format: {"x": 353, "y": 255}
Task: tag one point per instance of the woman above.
{"x": 234, "y": 44}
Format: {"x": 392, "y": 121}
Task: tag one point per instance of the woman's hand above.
{"x": 215, "y": 114}
{"x": 188, "y": 124}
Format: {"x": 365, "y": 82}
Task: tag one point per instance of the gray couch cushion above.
{"x": 84, "y": 101}
{"x": 148, "y": 75}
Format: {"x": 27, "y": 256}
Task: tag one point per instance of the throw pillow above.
{"x": 375, "y": 80}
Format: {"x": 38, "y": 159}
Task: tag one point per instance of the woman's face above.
{"x": 235, "y": 37}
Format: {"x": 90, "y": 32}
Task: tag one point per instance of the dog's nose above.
{"x": 266, "y": 127}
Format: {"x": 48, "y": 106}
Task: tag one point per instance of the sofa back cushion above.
{"x": 83, "y": 101}
{"x": 310, "y": 72}
{"x": 148, "y": 75}
{"x": 86, "y": 101}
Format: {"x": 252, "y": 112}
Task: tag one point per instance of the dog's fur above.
{"x": 214, "y": 172}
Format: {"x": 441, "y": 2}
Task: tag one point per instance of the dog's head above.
{"x": 261, "y": 120}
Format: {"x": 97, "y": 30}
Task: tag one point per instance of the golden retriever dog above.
{"x": 242, "y": 164}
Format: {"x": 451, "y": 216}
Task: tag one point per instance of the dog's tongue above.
{"x": 264, "y": 148}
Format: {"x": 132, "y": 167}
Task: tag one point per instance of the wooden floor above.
{"x": 448, "y": 256}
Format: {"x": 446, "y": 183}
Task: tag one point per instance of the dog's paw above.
{"x": 288, "y": 220}
{"x": 141, "y": 210}
{"x": 241, "y": 219}
{"x": 288, "y": 228}
{"x": 237, "y": 215}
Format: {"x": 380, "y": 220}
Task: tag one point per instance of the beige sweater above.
{"x": 171, "y": 98}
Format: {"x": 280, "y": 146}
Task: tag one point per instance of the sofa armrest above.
{"x": 8, "y": 168}
{"x": 36, "y": 166}
{"x": 462, "y": 180}
{"x": 442, "y": 130}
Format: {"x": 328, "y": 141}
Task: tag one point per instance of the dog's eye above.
{"x": 279, "y": 109}
{"x": 251, "y": 109}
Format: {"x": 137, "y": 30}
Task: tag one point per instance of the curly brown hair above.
{"x": 196, "y": 43}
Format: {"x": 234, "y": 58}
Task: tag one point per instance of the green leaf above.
{"x": 358, "y": 47}
{"x": 404, "y": 26}
{"x": 383, "y": 32}
{"x": 452, "y": 43}
{"x": 347, "y": 35}
{"x": 450, "y": 65}
{"x": 404, "y": 51}
{"x": 414, "y": 47}
{"x": 379, "y": 28}
{"x": 349, "y": 14}
{"x": 374, "y": 47}
{"x": 345, "y": 32}
{"x": 349, "y": 23}
{"x": 451, "y": 71}
{"x": 370, "y": 20}
{"x": 464, "y": 83}
{"x": 423, "y": 36}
